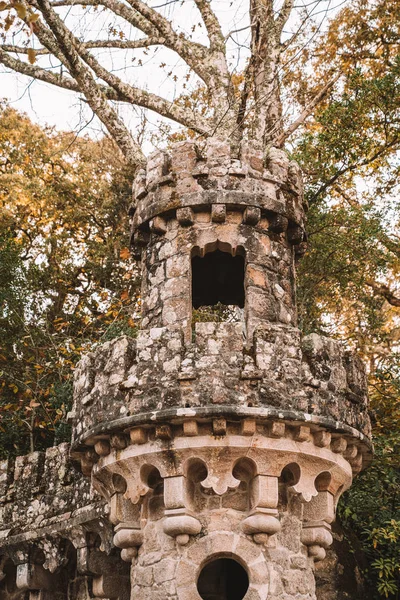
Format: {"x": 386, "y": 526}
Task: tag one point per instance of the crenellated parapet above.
{"x": 190, "y": 178}
{"x": 158, "y": 375}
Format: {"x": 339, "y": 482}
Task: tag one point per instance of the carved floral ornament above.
{"x": 258, "y": 464}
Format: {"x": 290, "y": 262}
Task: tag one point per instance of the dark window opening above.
{"x": 218, "y": 278}
{"x": 223, "y": 579}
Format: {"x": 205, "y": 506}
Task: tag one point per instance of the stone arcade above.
{"x": 217, "y": 452}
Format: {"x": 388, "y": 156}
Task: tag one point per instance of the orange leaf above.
{"x": 31, "y": 56}
{"x": 21, "y": 10}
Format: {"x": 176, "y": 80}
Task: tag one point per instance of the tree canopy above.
{"x": 66, "y": 280}
{"x": 56, "y": 41}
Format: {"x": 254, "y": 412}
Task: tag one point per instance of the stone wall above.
{"x": 166, "y": 276}
{"x": 42, "y": 489}
{"x": 159, "y": 372}
{"x": 55, "y": 535}
{"x": 163, "y": 568}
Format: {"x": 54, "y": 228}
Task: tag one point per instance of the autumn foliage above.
{"x": 66, "y": 277}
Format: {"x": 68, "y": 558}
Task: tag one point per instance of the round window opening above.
{"x": 223, "y": 579}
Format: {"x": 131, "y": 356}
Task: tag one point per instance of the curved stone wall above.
{"x": 194, "y": 177}
{"x": 126, "y": 381}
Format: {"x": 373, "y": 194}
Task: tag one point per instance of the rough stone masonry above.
{"x": 216, "y": 451}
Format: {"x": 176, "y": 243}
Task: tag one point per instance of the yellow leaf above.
{"x": 31, "y": 56}
{"x": 125, "y": 253}
{"x": 33, "y": 17}
{"x": 4, "y": 5}
{"x": 21, "y": 10}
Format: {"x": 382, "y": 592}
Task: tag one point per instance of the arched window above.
{"x": 223, "y": 579}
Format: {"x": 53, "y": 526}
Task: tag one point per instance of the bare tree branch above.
{"x": 265, "y": 57}
{"x": 118, "y": 8}
{"x": 153, "y": 24}
{"x": 390, "y": 244}
{"x": 95, "y": 97}
{"x": 191, "y": 52}
{"x": 142, "y": 98}
{"x": 353, "y": 166}
{"x": 219, "y": 79}
{"x": 125, "y": 44}
{"x": 244, "y": 97}
{"x": 383, "y": 290}
{"x": 283, "y": 16}
{"x": 230, "y": 116}
{"x": 124, "y": 92}
{"x": 134, "y": 96}
{"x": 37, "y": 73}
{"x": 216, "y": 37}
{"x": 119, "y": 44}
{"x": 22, "y": 49}
{"x": 306, "y": 112}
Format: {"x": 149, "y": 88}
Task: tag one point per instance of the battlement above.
{"x": 159, "y": 374}
{"x": 189, "y": 179}
{"x": 41, "y": 489}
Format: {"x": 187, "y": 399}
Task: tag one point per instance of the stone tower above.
{"x": 222, "y": 448}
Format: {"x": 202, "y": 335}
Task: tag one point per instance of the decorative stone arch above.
{"x": 222, "y": 545}
{"x": 231, "y": 245}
